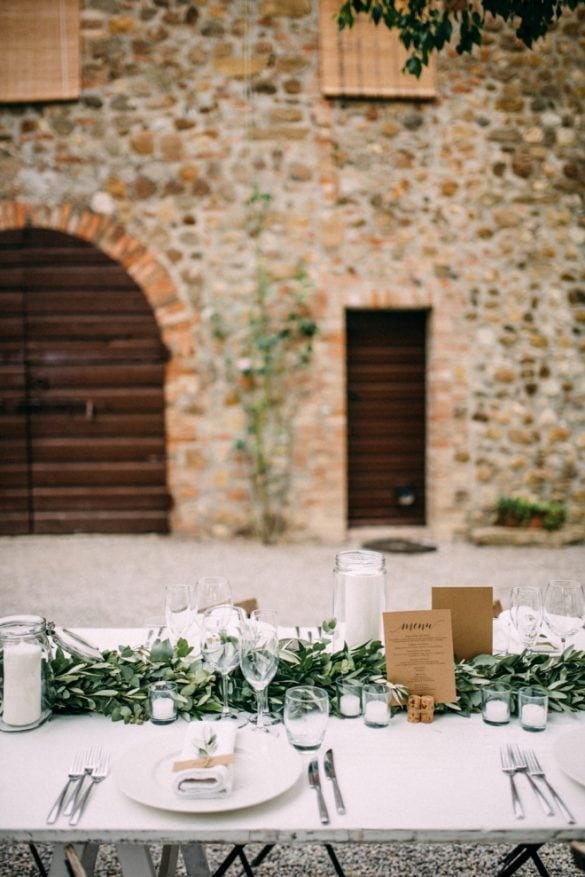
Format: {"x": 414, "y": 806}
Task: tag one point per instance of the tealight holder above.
{"x": 375, "y": 704}
{"x": 532, "y": 709}
{"x": 163, "y": 704}
{"x": 495, "y": 705}
{"x": 349, "y": 698}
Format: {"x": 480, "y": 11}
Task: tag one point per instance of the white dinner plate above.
{"x": 569, "y": 751}
{"x": 265, "y": 766}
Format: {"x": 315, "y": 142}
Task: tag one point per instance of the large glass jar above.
{"x": 359, "y": 596}
{"x": 24, "y": 672}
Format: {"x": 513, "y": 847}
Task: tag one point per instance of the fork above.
{"x": 76, "y": 772}
{"x": 534, "y": 769}
{"x": 98, "y": 774}
{"x": 521, "y": 762}
{"x": 90, "y": 761}
{"x": 509, "y": 768}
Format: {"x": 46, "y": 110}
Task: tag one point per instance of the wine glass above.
{"x": 178, "y": 612}
{"x": 259, "y": 660}
{"x": 526, "y": 613}
{"x": 210, "y": 591}
{"x": 564, "y": 608}
{"x": 220, "y": 643}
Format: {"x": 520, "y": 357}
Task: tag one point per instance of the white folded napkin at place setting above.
{"x": 205, "y": 768}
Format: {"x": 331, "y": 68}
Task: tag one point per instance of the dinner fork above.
{"x": 509, "y": 768}
{"x": 520, "y": 760}
{"x": 91, "y": 758}
{"x": 76, "y": 772}
{"x": 534, "y": 769}
{"x": 98, "y": 774}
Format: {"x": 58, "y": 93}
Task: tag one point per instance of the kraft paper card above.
{"x": 471, "y": 618}
{"x": 419, "y": 652}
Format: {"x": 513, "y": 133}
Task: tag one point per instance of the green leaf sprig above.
{"x": 118, "y": 685}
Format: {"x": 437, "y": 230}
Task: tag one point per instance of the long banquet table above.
{"x": 439, "y": 782}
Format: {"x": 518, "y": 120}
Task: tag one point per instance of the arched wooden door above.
{"x": 82, "y": 433}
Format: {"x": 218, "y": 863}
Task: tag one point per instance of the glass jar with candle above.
{"x": 359, "y": 596}
{"x": 25, "y": 672}
{"x": 163, "y": 702}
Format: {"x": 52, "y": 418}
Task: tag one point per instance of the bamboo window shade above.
{"x": 366, "y": 60}
{"x": 39, "y": 50}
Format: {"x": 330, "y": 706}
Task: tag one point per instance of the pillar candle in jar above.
{"x": 163, "y": 709}
{"x": 22, "y": 699}
{"x": 364, "y": 605}
{"x": 376, "y": 712}
{"x": 349, "y": 705}
{"x": 496, "y": 711}
{"x": 533, "y": 715}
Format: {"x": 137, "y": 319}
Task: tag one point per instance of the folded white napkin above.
{"x": 205, "y": 767}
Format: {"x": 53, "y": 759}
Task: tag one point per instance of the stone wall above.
{"x": 470, "y": 205}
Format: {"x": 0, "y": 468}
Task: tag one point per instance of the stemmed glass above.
{"x": 210, "y": 591}
{"x": 564, "y": 608}
{"x": 259, "y": 660}
{"x": 526, "y": 613}
{"x": 220, "y": 644}
{"x": 178, "y": 611}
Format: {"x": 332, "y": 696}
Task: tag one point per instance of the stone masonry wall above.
{"x": 470, "y": 205}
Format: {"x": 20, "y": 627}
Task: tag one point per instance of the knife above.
{"x": 315, "y": 783}
{"x": 329, "y": 765}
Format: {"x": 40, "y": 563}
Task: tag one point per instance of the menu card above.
{"x": 471, "y": 617}
{"x": 419, "y": 652}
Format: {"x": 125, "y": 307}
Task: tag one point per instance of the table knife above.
{"x": 315, "y": 783}
{"x": 329, "y": 765}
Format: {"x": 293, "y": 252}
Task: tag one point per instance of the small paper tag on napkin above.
{"x": 212, "y": 761}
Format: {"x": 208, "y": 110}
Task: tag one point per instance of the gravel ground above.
{"x": 357, "y": 860}
{"x": 119, "y": 580}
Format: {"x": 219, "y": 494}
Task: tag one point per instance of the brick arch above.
{"x": 172, "y": 316}
{"x": 110, "y": 237}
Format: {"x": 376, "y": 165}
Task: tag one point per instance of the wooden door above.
{"x": 82, "y": 433}
{"x": 386, "y": 417}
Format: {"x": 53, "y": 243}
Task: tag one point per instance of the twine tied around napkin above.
{"x": 205, "y": 766}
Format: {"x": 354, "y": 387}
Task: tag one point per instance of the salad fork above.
{"x": 509, "y": 767}
{"x": 76, "y": 772}
{"x": 98, "y": 774}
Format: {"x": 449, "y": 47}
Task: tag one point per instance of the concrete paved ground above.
{"x": 92, "y": 580}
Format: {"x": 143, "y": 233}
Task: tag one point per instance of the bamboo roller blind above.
{"x": 39, "y": 50}
{"x": 366, "y": 60}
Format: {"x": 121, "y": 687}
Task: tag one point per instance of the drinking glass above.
{"x": 178, "y": 612}
{"x": 220, "y": 645}
{"x": 259, "y": 659}
{"x": 306, "y": 712}
{"x": 564, "y": 608}
{"x": 210, "y": 591}
{"x": 526, "y": 613}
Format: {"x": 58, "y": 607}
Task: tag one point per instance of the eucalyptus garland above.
{"x": 118, "y": 685}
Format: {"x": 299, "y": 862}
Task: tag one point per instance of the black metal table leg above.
{"x": 518, "y": 856}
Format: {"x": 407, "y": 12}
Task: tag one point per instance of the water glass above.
{"x": 526, "y": 614}
{"x": 210, "y": 591}
{"x": 532, "y": 709}
{"x": 306, "y": 712}
{"x": 221, "y": 630}
{"x": 178, "y": 612}
{"x": 259, "y": 659}
{"x": 564, "y": 608}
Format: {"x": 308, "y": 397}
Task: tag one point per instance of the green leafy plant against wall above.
{"x": 513, "y": 511}
{"x": 265, "y": 355}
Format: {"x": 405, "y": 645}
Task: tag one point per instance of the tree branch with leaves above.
{"x": 427, "y": 26}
